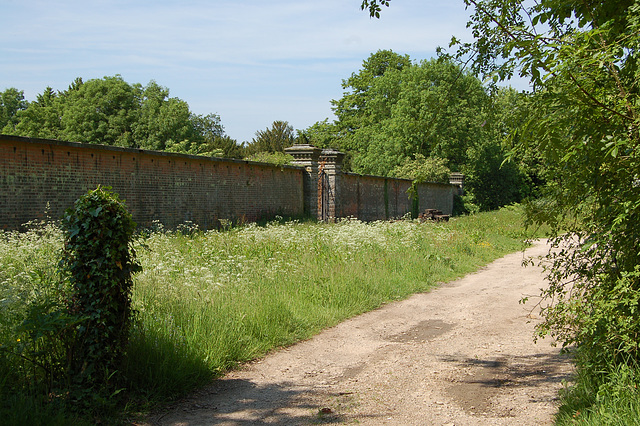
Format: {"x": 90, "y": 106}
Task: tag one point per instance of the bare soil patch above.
{"x": 462, "y": 354}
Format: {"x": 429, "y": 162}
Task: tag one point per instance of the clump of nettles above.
{"x": 98, "y": 261}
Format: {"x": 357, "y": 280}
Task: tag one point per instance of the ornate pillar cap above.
{"x": 456, "y": 178}
{"x": 332, "y": 156}
{"x": 332, "y": 153}
{"x": 303, "y": 152}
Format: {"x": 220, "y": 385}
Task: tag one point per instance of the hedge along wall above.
{"x": 37, "y": 174}
{"x": 374, "y": 198}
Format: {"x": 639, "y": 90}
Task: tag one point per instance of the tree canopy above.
{"x": 111, "y": 111}
{"x": 11, "y": 101}
{"x": 581, "y": 58}
{"x": 389, "y": 113}
{"x": 272, "y": 139}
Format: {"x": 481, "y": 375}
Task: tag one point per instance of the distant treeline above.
{"x": 111, "y": 111}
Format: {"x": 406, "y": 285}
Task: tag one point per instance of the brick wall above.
{"x": 38, "y": 174}
{"x": 171, "y": 188}
{"x": 375, "y": 198}
{"x": 436, "y": 196}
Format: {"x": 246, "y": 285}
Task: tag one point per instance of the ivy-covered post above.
{"x": 98, "y": 261}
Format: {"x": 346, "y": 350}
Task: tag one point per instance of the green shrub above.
{"x": 276, "y": 158}
{"x": 422, "y": 169}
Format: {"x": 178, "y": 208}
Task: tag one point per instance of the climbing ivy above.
{"x": 98, "y": 261}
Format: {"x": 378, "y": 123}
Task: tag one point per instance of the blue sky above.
{"x": 250, "y": 61}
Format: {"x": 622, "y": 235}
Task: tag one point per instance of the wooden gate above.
{"x": 326, "y": 196}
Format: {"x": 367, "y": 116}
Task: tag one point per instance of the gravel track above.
{"x": 462, "y": 354}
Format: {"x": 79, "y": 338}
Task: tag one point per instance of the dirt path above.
{"x": 462, "y": 354}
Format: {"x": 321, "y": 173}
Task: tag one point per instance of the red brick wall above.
{"x": 171, "y": 188}
{"x": 365, "y": 197}
{"x": 436, "y": 196}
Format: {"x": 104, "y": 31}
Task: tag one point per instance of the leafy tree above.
{"x": 113, "y": 112}
{"x": 493, "y": 178}
{"x": 322, "y": 134}
{"x": 41, "y": 119}
{"x": 99, "y": 111}
{"x": 432, "y": 108}
{"x": 510, "y": 110}
{"x": 274, "y": 139}
{"x": 161, "y": 120}
{"x": 351, "y": 108}
{"x": 209, "y": 126}
{"x": 11, "y": 101}
{"x": 210, "y": 140}
{"x": 395, "y": 110}
{"x": 582, "y": 60}
{"x": 422, "y": 169}
{"x": 491, "y": 182}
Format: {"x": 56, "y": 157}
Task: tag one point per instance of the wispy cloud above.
{"x": 251, "y": 61}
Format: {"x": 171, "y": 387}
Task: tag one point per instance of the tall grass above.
{"x": 28, "y": 282}
{"x": 207, "y": 301}
{"x": 611, "y": 398}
